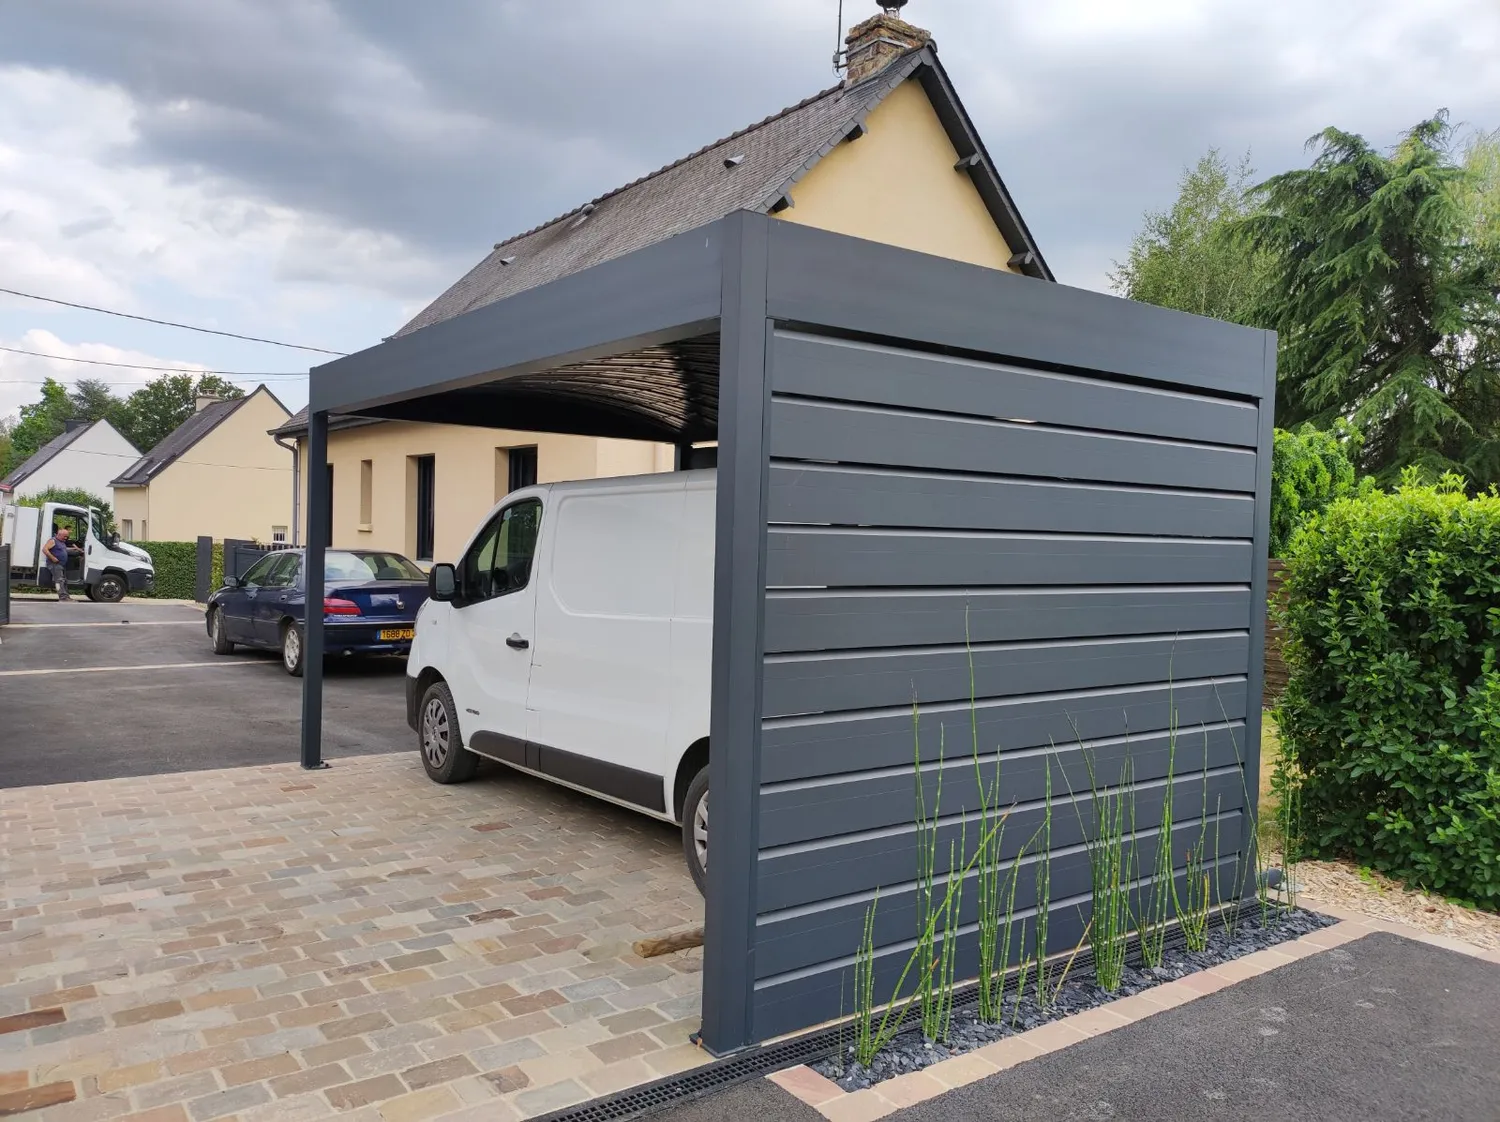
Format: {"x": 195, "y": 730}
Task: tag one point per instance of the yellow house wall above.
{"x": 896, "y": 184}
{"x": 133, "y": 504}
{"x": 234, "y": 483}
{"x": 470, "y": 477}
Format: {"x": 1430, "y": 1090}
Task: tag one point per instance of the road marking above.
{"x": 106, "y": 669}
{"x": 115, "y": 623}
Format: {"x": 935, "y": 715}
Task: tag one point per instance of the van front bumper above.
{"x": 140, "y": 580}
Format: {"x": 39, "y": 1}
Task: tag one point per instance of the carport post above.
{"x": 319, "y": 502}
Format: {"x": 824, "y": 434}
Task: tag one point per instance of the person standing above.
{"x": 56, "y": 552}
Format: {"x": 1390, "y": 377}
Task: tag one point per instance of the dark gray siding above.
{"x": 1074, "y": 552}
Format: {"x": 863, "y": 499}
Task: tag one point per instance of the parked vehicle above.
{"x": 573, "y": 641}
{"x": 370, "y": 603}
{"x": 106, "y": 569}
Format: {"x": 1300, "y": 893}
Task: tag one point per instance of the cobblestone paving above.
{"x": 268, "y": 943}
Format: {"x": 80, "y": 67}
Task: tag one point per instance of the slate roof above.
{"x": 701, "y": 188}
{"x": 296, "y": 424}
{"x": 42, "y": 456}
{"x": 180, "y": 440}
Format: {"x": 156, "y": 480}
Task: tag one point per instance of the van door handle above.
{"x": 516, "y": 643}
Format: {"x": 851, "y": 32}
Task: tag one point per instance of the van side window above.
{"x": 499, "y": 561}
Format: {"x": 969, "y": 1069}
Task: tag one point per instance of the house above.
{"x": 888, "y": 155}
{"x": 218, "y": 474}
{"x": 84, "y": 456}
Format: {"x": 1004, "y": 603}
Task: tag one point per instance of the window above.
{"x": 278, "y": 534}
{"x": 258, "y": 572}
{"x": 127, "y": 529}
{"x": 422, "y": 472}
{"x": 499, "y": 561}
{"x": 374, "y": 565}
{"x": 283, "y": 572}
{"x": 522, "y": 464}
{"x": 145, "y": 537}
{"x": 366, "y": 494}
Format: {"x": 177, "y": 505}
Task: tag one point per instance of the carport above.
{"x": 938, "y": 484}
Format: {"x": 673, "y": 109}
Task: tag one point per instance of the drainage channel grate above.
{"x": 720, "y": 1075}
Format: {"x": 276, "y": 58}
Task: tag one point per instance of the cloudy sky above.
{"x": 315, "y": 171}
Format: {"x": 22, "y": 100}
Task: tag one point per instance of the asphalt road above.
{"x": 101, "y": 691}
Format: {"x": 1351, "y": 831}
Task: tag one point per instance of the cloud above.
{"x": 21, "y": 376}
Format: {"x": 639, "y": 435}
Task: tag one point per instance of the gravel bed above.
{"x": 911, "y": 1052}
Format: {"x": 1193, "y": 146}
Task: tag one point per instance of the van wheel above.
{"x": 443, "y": 753}
{"x": 109, "y": 590}
{"x": 291, "y": 649}
{"x": 695, "y": 829}
{"x": 222, "y": 646}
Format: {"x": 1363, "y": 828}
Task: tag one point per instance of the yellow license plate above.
{"x": 393, "y": 633}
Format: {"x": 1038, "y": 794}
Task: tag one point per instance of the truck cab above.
{"x": 105, "y": 567}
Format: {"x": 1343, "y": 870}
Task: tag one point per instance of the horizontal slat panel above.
{"x": 850, "y": 371}
{"x": 870, "y": 681}
{"x": 808, "y": 747}
{"x": 823, "y": 431}
{"x": 819, "y": 993}
{"x": 794, "y": 876}
{"x": 870, "y": 801}
{"x": 812, "y": 621}
{"x": 830, "y": 558}
{"x": 828, "y": 280}
{"x": 827, "y": 495}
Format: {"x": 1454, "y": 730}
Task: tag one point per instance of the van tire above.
{"x": 439, "y": 740}
{"x": 110, "y": 589}
{"x": 222, "y": 646}
{"x": 695, "y": 829}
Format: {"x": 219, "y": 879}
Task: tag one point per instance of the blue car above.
{"x": 370, "y": 603}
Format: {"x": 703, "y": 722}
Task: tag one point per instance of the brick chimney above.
{"x": 873, "y": 45}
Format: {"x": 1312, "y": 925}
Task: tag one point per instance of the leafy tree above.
{"x": 93, "y": 400}
{"x": 1310, "y": 468}
{"x": 151, "y": 413}
{"x": 73, "y": 496}
{"x": 1383, "y": 292}
{"x": 6, "y": 425}
{"x": 1188, "y": 258}
{"x": 40, "y": 422}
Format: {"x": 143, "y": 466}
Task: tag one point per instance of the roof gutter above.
{"x": 296, "y": 488}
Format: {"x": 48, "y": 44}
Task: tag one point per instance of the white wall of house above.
{"x": 90, "y": 462}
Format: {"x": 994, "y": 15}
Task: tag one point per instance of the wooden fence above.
{"x": 1275, "y": 667}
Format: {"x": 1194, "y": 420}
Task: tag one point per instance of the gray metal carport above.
{"x": 920, "y": 462}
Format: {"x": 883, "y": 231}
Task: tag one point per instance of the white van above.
{"x": 573, "y": 641}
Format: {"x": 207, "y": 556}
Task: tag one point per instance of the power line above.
{"x": 169, "y": 323}
{"x": 140, "y": 366}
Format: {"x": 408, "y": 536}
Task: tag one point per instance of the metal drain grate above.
{"x": 636, "y": 1102}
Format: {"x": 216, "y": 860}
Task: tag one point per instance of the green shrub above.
{"x": 1391, "y": 717}
{"x": 1310, "y": 468}
{"x": 176, "y": 569}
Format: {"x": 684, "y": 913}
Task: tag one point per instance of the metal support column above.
{"x": 319, "y": 504}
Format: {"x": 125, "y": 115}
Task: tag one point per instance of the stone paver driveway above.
{"x": 268, "y": 943}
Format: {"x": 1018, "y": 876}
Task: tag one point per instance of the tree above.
{"x": 6, "y": 425}
{"x": 1310, "y": 468}
{"x": 93, "y": 400}
{"x": 151, "y": 413}
{"x": 40, "y": 422}
{"x": 73, "y": 496}
{"x": 1188, "y": 257}
{"x": 1383, "y": 292}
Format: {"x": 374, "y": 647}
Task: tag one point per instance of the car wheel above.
{"x": 443, "y": 754}
{"x": 110, "y": 589}
{"x": 222, "y": 646}
{"x": 291, "y": 649}
{"x": 695, "y": 829}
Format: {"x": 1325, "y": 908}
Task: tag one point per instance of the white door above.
{"x": 599, "y": 687}
{"x": 491, "y": 631}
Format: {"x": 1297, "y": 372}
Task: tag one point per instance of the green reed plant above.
{"x": 1044, "y": 895}
{"x": 1109, "y": 868}
{"x": 1194, "y": 903}
{"x": 1157, "y": 911}
{"x": 929, "y": 913}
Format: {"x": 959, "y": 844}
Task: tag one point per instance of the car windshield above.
{"x": 340, "y": 565}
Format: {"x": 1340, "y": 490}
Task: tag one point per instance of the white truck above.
{"x": 105, "y": 567}
{"x": 573, "y": 641}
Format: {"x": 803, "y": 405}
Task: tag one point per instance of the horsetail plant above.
{"x": 996, "y": 899}
{"x": 1157, "y": 914}
{"x": 1195, "y": 902}
{"x": 1108, "y": 928}
{"x": 1044, "y": 895}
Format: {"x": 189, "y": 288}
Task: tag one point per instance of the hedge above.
{"x": 177, "y": 568}
{"x": 1310, "y": 468}
{"x": 1391, "y": 716}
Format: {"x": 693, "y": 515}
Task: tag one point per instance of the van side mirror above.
{"x": 442, "y": 583}
{"x": 114, "y": 539}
